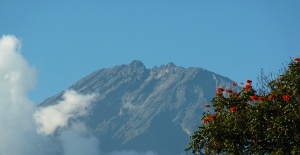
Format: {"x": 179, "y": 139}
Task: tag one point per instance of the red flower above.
{"x": 206, "y": 120}
{"x": 286, "y": 97}
{"x": 228, "y": 91}
{"x": 247, "y": 87}
{"x": 220, "y": 89}
{"x": 218, "y": 94}
{"x": 272, "y": 97}
{"x": 212, "y": 117}
{"x": 261, "y": 98}
{"x": 233, "y": 109}
{"x": 235, "y": 95}
{"x": 253, "y": 98}
{"x": 207, "y": 105}
{"x": 297, "y": 59}
{"x": 234, "y": 84}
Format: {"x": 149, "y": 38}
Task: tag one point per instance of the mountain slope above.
{"x": 146, "y": 109}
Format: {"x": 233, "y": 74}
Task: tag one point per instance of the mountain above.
{"x": 146, "y": 109}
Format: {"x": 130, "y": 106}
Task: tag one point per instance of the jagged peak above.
{"x": 137, "y": 64}
{"x": 171, "y": 64}
{"x": 131, "y": 67}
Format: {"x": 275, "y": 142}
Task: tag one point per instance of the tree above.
{"x": 251, "y": 122}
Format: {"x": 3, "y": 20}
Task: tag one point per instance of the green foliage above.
{"x": 245, "y": 122}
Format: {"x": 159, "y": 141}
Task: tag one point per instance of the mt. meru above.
{"x": 146, "y": 109}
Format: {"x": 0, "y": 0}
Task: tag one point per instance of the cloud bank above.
{"x": 24, "y": 128}
{"x": 17, "y": 123}
{"x": 73, "y": 105}
{"x": 28, "y": 130}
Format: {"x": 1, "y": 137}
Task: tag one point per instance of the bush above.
{"x": 247, "y": 122}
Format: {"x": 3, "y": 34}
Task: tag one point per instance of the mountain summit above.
{"x": 146, "y": 109}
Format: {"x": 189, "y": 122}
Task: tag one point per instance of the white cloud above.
{"x": 17, "y": 124}
{"x": 72, "y": 106}
{"x": 18, "y": 114}
{"x": 16, "y": 76}
{"x": 74, "y": 137}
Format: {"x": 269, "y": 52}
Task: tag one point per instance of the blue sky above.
{"x": 66, "y": 40}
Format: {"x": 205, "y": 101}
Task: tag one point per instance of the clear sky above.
{"x": 66, "y": 40}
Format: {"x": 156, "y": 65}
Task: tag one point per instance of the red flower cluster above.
{"x": 248, "y": 85}
{"x": 207, "y": 105}
{"x": 272, "y": 97}
{"x": 212, "y": 117}
{"x": 261, "y": 98}
{"x": 233, "y": 109}
{"x": 234, "y": 84}
{"x": 209, "y": 118}
{"x": 253, "y": 98}
{"x": 236, "y": 95}
{"x": 220, "y": 89}
{"x": 205, "y": 120}
{"x": 297, "y": 59}
{"x": 228, "y": 91}
{"x": 257, "y": 98}
{"x": 219, "y": 92}
{"x": 286, "y": 97}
